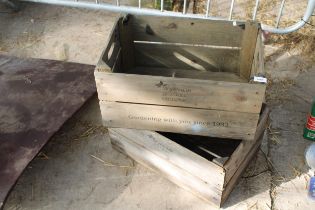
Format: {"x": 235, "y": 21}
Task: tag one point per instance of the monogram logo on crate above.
{"x": 173, "y": 93}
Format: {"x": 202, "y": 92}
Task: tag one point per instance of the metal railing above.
{"x": 140, "y": 10}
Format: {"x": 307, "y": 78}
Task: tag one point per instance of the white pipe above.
{"x": 185, "y": 4}
{"x": 121, "y": 9}
{"x": 208, "y": 8}
{"x": 308, "y": 13}
{"x": 280, "y": 13}
{"x": 231, "y": 9}
{"x": 134, "y": 10}
{"x": 255, "y": 10}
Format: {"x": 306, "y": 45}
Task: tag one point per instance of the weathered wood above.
{"x": 126, "y": 39}
{"x": 174, "y": 154}
{"x": 202, "y": 177}
{"x": 229, "y": 96}
{"x": 241, "y": 169}
{"x": 179, "y": 30}
{"x": 234, "y": 125}
{"x": 186, "y": 73}
{"x": 187, "y": 57}
{"x": 258, "y": 61}
{"x": 208, "y": 68}
{"x": 220, "y": 161}
{"x": 202, "y": 189}
{"x": 248, "y": 49}
{"x": 111, "y": 51}
{"x": 238, "y": 157}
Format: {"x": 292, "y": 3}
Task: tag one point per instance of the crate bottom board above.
{"x": 179, "y": 167}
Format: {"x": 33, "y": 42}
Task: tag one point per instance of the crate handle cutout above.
{"x": 110, "y": 51}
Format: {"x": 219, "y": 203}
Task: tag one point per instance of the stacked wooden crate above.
{"x": 192, "y": 77}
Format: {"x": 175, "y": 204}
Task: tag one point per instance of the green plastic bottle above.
{"x": 309, "y": 130}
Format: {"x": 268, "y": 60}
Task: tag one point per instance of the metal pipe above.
{"x": 162, "y": 5}
{"x": 117, "y": 2}
{"x": 145, "y": 11}
{"x": 122, "y": 9}
{"x": 308, "y": 13}
{"x": 208, "y": 8}
{"x": 280, "y": 13}
{"x": 255, "y": 9}
{"x": 231, "y": 9}
{"x": 139, "y": 4}
{"x": 184, "y": 9}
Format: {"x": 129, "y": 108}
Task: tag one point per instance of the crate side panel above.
{"x": 127, "y": 44}
{"x": 111, "y": 51}
{"x": 187, "y": 57}
{"x": 167, "y": 149}
{"x": 229, "y": 96}
{"x": 248, "y": 48}
{"x": 240, "y": 170}
{"x": 189, "y": 31}
{"x": 172, "y": 172}
{"x": 240, "y": 154}
{"x": 258, "y": 68}
{"x": 234, "y": 125}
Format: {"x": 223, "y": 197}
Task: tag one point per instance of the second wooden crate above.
{"x": 207, "y": 167}
{"x": 182, "y": 75}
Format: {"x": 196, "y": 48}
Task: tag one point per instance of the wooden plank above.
{"x": 117, "y": 65}
{"x": 230, "y": 96}
{"x": 111, "y": 51}
{"x": 204, "y": 190}
{"x": 183, "y": 30}
{"x": 187, "y": 57}
{"x": 258, "y": 61}
{"x": 220, "y": 161}
{"x": 187, "y": 73}
{"x": 238, "y": 174}
{"x": 248, "y": 49}
{"x": 126, "y": 40}
{"x": 240, "y": 154}
{"x": 174, "y": 154}
{"x": 234, "y": 125}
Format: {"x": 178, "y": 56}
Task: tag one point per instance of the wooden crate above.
{"x": 202, "y": 165}
{"x": 182, "y": 75}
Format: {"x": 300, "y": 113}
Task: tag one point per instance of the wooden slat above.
{"x": 258, "y": 61}
{"x": 127, "y": 45}
{"x": 149, "y": 158}
{"x": 107, "y": 61}
{"x": 187, "y": 73}
{"x": 182, "y": 30}
{"x": 240, "y": 170}
{"x": 175, "y": 154}
{"x": 234, "y": 125}
{"x": 230, "y": 96}
{"x": 248, "y": 49}
{"x": 187, "y": 57}
{"x": 240, "y": 154}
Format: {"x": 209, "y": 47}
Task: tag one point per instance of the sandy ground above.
{"x": 66, "y": 176}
